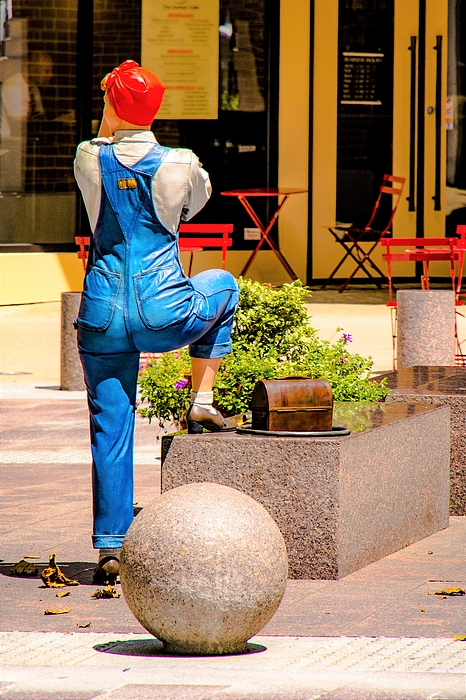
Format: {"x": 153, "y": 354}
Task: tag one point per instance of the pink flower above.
{"x": 347, "y": 337}
{"x": 181, "y": 384}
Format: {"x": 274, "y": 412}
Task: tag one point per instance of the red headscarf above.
{"x": 134, "y": 93}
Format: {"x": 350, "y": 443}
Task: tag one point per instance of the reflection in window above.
{"x": 240, "y": 71}
{"x": 38, "y": 123}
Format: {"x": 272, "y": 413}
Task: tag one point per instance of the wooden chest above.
{"x": 292, "y": 404}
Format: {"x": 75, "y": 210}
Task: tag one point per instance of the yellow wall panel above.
{"x": 325, "y": 252}
{"x": 27, "y": 278}
{"x": 293, "y": 165}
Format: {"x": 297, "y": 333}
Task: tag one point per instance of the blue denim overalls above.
{"x": 136, "y": 299}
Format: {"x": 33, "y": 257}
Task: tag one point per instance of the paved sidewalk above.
{"x": 374, "y": 635}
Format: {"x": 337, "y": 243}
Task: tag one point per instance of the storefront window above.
{"x": 38, "y": 123}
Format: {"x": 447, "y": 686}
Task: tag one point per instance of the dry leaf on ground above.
{"x": 53, "y": 577}
{"x": 24, "y": 568}
{"x": 83, "y": 627}
{"x": 63, "y": 594}
{"x": 108, "y": 592}
{"x": 448, "y": 591}
{"x": 56, "y": 612}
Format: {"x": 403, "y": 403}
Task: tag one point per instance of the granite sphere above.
{"x": 203, "y": 568}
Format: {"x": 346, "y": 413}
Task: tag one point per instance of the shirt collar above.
{"x": 134, "y": 135}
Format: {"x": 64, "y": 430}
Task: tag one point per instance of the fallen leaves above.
{"x": 53, "y": 577}
{"x": 448, "y": 592}
{"x": 24, "y": 568}
{"x": 460, "y": 638}
{"x": 108, "y": 592}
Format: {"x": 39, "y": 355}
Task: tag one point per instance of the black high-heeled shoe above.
{"x": 107, "y": 571}
{"x": 199, "y": 418}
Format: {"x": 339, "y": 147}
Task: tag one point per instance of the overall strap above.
{"x": 132, "y": 181}
{"x": 150, "y": 163}
{"x": 147, "y": 165}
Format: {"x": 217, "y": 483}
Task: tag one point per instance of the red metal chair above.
{"x": 83, "y": 244}
{"x": 360, "y": 243}
{"x": 196, "y": 237}
{"x": 426, "y": 250}
{"x": 192, "y": 238}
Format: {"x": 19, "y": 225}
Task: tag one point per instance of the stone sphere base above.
{"x": 203, "y": 568}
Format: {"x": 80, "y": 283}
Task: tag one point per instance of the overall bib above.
{"x": 136, "y": 298}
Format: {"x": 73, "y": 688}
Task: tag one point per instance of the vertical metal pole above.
{"x": 309, "y": 271}
{"x": 84, "y": 79}
{"x": 421, "y": 114}
{"x": 438, "y": 126}
{"x": 412, "y": 127}
{"x": 272, "y": 34}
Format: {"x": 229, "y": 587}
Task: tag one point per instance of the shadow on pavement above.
{"x": 154, "y": 647}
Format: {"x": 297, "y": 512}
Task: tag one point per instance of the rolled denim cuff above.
{"x": 107, "y": 541}
{"x": 206, "y": 352}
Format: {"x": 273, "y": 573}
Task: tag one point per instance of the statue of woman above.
{"x": 136, "y": 296}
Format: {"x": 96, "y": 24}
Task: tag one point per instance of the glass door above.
{"x": 384, "y": 75}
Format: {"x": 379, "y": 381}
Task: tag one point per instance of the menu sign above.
{"x": 180, "y": 45}
{"x": 361, "y": 78}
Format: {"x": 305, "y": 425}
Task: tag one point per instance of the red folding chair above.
{"x": 196, "y": 237}
{"x": 192, "y": 238}
{"x": 205, "y": 236}
{"x": 427, "y": 250}
{"x": 360, "y": 243}
{"x": 83, "y": 244}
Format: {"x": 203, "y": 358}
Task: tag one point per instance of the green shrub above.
{"x": 272, "y": 337}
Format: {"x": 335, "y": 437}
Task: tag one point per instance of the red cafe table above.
{"x": 243, "y": 196}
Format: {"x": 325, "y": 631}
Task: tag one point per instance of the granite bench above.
{"x": 340, "y": 503}
{"x": 439, "y": 386}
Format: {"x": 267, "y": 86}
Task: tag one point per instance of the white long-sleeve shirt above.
{"x": 180, "y": 187}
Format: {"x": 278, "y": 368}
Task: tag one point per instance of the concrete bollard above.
{"x": 71, "y": 373}
{"x": 425, "y": 328}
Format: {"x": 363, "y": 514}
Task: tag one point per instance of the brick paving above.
{"x": 374, "y": 635}
{"x": 328, "y": 637}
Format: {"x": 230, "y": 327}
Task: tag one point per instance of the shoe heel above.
{"x": 195, "y": 428}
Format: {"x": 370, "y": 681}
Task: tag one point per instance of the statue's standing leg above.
{"x": 111, "y": 382}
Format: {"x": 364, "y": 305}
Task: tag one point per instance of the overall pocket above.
{"x": 163, "y": 296}
{"x": 98, "y": 299}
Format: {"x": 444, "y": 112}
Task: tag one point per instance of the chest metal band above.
{"x": 127, "y": 183}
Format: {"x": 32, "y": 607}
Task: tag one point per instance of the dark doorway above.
{"x": 365, "y": 105}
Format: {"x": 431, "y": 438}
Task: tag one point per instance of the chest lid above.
{"x": 293, "y": 393}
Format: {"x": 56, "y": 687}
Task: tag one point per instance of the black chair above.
{"x": 360, "y": 243}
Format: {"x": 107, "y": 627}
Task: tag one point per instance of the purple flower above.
{"x": 347, "y": 337}
{"x": 181, "y": 384}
